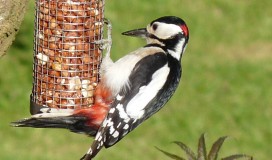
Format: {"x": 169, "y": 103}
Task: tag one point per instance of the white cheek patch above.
{"x": 165, "y": 31}
{"x": 135, "y": 108}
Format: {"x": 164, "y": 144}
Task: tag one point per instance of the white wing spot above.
{"x": 112, "y": 129}
{"x": 101, "y": 144}
{"x": 119, "y": 97}
{"x": 126, "y": 120}
{"x": 119, "y": 125}
{"x": 126, "y": 126}
{"x": 90, "y": 151}
{"x": 109, "y": 122}
{"x": 122, "y": 112}
{"x": 100, "y": 138}
{"x": 124, "y": 132}
{"x": 112, "y": 110}
{"x": 104, "y": 123}
{"x": 115, "y": 134}
{"x": 98, "y": 135}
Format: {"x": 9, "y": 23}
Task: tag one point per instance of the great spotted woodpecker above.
{"x": 131, "y": 89}
{"x": 150, "y": 75}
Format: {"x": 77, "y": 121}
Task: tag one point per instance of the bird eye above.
{"x": 154, "y": 26}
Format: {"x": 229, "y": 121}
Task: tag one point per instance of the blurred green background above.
{"x": 225, "y": 89}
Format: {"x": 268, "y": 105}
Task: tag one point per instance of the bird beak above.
{"x": 142, "y": 33}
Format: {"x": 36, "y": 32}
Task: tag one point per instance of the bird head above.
{"x": 170, "y": 32}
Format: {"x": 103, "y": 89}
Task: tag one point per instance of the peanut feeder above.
{"x": 66, "y": 61}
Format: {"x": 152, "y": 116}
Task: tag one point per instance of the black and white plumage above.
{"x": 143, "y": 80}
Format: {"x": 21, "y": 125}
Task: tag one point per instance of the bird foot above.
{"x": 105, "y": 44}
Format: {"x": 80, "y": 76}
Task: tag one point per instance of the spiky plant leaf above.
{"x": 190, "y": 154}
{"x": 238, "y": 156}
{"x": 215, "y": 148}
{"x": 171, "y": 155}
{"x": 201, "y": 153}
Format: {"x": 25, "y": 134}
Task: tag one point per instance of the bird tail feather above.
{"x": 64, "y": 120}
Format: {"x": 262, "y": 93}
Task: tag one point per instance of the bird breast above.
{"x": 116, "y": 76}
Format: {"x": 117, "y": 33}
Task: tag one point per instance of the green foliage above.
{"x": 202, "y": 153}
{"x": 225, "y": 88}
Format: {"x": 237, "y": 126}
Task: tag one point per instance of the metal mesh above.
{"x": 65, "y": 68}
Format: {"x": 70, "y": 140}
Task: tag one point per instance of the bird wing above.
{"x": 151, "y": 84}
{"x": 136, "y": 102}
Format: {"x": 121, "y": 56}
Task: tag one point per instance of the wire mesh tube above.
{"x": 65, "y": 67}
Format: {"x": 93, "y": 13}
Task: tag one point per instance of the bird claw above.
{"x": 106, "y": 43}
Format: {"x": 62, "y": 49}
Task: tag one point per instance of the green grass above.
{"x": 225, "y": 89}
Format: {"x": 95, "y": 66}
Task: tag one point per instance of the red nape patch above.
{"x": 185, "y": 30}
